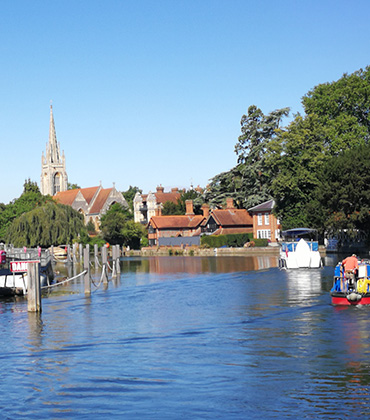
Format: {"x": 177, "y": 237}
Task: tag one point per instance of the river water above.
{"x": 188, "y": 338}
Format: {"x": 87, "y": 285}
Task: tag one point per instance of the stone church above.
{"x": 92, "y": 202}
{"x": 53, "y": 165}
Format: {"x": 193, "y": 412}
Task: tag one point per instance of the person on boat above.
{"x": 350, "y": 265}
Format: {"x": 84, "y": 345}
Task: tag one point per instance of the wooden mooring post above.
{"x": 104, "y": 255}
{"x": 96, "y": 256}
{"x": 34, "y": 288}
{"x": 87, "y": 283}
{"x": 118, "y": 259}
{"x": 114, "y": 261}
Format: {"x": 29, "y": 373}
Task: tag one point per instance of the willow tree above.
{"x": 50, "y": 224}
{"x": 30, "y": 199}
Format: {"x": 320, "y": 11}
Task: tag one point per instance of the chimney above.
{"x": 205, "y": 209}
{"x": 229, "y": 203}
{"x": 189, "y": 207}
{"x": 160, "y": 189}
{"x": 174, "y": 190}
{"x": 158, "y": 211}
{"x": 199, "y": 189}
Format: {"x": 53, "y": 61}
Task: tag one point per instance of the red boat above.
{"x": 344, "y": 292}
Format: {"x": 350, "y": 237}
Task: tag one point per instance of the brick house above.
{"x": 148, "y": 205}
{"x": 175, "y": 230}
{"x": 265, "y": 224}
{"x": 228, "y": 221}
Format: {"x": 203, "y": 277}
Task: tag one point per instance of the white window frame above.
{"x": 267, "y": 218}
{"x": 264, "y": 234}
{"x": 259, "y": 219}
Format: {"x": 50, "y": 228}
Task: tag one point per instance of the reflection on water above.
{"x": 221, "y": 337}
{"x": 195, "y": 265}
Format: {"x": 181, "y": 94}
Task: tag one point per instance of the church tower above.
{"x": 53, "y": 165}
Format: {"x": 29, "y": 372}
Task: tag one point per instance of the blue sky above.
{"x": 152, "y": 92}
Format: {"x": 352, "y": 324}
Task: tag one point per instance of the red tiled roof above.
{"x": 176, "y": 222}
{"x": 69, "y": 196}
{"x": 170, "y": 196}
{"x": 232, "y": 217}
{"x": 100, "y": 200}
{"x": 89, "y": 193}
{"x": 66, "y": 197}
{"x": 231, "y": 231}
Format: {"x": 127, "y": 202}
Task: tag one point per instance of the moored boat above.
{"x": 299, "y": 250}
{"x": 14, "y": 269}
{"x": 345, "y": 292}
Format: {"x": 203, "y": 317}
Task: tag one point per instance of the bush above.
{"x": 236, "y": 240}
{"x": 260, "y": 242}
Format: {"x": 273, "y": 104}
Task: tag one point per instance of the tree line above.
{"x": 36, "y": 220}
{"x": 317, "y": 168}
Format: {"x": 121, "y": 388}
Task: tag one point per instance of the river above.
{"x": 188, "y": 338}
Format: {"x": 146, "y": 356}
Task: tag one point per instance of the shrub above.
{"x": 233, "y": 240}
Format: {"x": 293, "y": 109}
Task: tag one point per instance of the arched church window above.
{"x": 56, "y": 183}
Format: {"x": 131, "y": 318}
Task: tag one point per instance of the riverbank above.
{"x": 204, "y": 252}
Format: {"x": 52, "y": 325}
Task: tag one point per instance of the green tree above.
{"x": 294, "y": 159}
{"x": 248, "y": 182}
{"x": 342, "y": 108}
{"x": 129, "y": 196}
{"x": 179, "y": 208}
{"x": 336, "y": 119}
{"x": 30, "y": 198}
{"x": 134, "y": 235}
{"x": 193, "y": 195}
{"x": 73, "y": 186}
{"x": 225, "y": 185}
{"x": 258, "y": 130}
{"x": 117, "y": 227}
{"x": 170, "y": 208}
{"x": 46, "y": 225}
{"x": 344, "y": 193}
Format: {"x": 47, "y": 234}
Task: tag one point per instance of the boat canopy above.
{"x": 298, "y": 233}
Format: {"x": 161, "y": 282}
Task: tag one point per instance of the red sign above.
{"x": 20, "y": 266}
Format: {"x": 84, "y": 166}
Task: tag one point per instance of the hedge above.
{"x": 236, "y": 240}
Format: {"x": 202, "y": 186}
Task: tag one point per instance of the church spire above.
{"x": 53, "y": 166}
{"x": 53, "y": 144}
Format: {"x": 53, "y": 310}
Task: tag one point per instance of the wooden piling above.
{"x": 114, "y": 262}
{"x": 104, "y": 255}
{"x": 34, "y": 288}
{"x": 87, "y": 283}
{"x": 118, "y": 259}
{"x": 69, "y": 258}
{"x": 96, "y": 256}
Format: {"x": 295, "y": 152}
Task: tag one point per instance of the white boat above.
{"x": 13, "y": 283}
{"x": 300, "y": 252}
{"x": 16, "y": 283}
